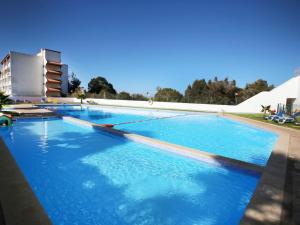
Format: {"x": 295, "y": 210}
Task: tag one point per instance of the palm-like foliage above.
{"x": 265, "y": 109}
{"x": 4, "y": 100}
{"x": 81, "y": 97}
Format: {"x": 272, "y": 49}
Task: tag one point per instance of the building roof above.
{"x": 6, "y": 57}
{"x": 47, "y": 49}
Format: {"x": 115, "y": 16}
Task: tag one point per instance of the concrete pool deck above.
{"x": 33, "y": 112}
{"x": 266, "y": 205}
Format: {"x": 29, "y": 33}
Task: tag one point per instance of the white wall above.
{"x": 26, "y": 73}
{"x": 27, "y": 98}
{"x": 164, "y": 105}
{"x": 289, "y": 89}
{"x": 51, "y": 55}
{"x": 155, "y": 105}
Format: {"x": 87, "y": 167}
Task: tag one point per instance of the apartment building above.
{"x": 40, "y": 75}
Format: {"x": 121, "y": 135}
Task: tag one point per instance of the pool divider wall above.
{"x": 19, "y": 204}
{"x": 177, "y": 149}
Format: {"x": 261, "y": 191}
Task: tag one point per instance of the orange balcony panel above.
{"x": 52, "y": 89}
{"x": 53, "y": 76}
{"x": 53, "y": 81}
{"x": 54, "y": 72}
{"x": 54, "y": 63}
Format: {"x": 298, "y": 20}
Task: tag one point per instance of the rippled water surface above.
{"x": 104, "y": 115}
{"x": 210, "y": 133}
{"x": 82, "y": 176}
{"x": 205, "y": 132}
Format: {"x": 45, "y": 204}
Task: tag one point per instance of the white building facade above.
{"x": 41, "y": 75}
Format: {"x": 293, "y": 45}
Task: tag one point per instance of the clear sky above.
{"x": 139, "y": 45}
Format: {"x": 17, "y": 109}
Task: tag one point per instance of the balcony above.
{"x": 53, "y": 76}
{"x": 55, "y": 72}
{"x": 54, "y": 81}
{"x": 50, "y": 89}
{"x": 54, "y": 63}
{"x": 53, "y": 92}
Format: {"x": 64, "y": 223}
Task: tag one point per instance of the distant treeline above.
{"x": 200, "y": 91}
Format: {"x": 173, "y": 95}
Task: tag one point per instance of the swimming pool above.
{"x": 109, "y": 115}
{"x": 205, "y": 132}
{"x": 211, "y": 133}
{"x": 84, "y": 176}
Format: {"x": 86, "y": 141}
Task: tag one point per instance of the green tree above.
{"x": 123, "y": 95}
{"x": 4, "y": 100}
{"x": 81, "y": 97}
{"x": 167, "y": 95}
{"x": 139, "y": 97}
{"x": 197, "y": 92}
{"x": 74, "y": 83}
{"x": 212, "y": 92}
{"x": 98, "y": 84}
{"x": 255, "y": 88}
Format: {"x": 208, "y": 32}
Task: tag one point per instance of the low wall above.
{"x": 160, "y": 105}
{"x": 26, "y": 99}
{"x": 164, "y": 105}
{"x": 154, "y": 105}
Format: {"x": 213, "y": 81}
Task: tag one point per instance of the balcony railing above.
{"x": 54, "y": 63}
{"x": 54, "y": 72}
{"x": 51, "y": 80}
{"x": 49, "y": 89}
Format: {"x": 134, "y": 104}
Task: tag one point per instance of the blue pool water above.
{"x": 206, "y": 132}
{"x": 83, "y": 176}
{"x": 210, "y": 133}
{"x": 105, "y": 115}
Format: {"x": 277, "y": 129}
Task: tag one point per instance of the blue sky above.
{"x": 139, "y": 45}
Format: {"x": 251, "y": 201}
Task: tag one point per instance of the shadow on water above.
{"x": 289, "y": 187}
{"x": 270, "y": 196}
{"x": 60, "y": 158}
{"x": 88, "y": 196}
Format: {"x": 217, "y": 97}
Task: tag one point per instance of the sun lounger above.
{"x": 287, "y": 119}
{"x": 274, "y": 117}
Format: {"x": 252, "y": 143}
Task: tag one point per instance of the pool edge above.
{"x": 268, "y": 202}
{"x": 19, "y": 203}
